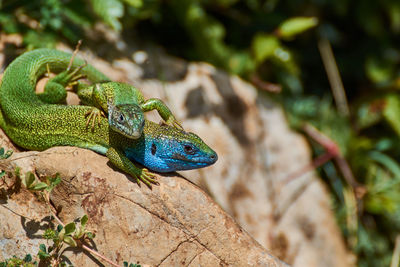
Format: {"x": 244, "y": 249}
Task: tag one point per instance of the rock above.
{"x": 174, "y": 224}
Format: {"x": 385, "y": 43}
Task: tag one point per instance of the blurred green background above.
{"x": 285, "y": 49}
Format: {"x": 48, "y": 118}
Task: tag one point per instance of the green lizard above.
{"x": 36, "y": 125}
{"x": 125, "y": 106}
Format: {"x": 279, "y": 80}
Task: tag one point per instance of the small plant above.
{"x": 32, "y": 184}
{"x": 131, "y": 264}
{"x": 4, "y": 155}
{"x": 14, "y": 262}
{"x": 72, "y": 235}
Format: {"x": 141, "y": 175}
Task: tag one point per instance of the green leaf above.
{"x": 53, "y": 182}
{"x": 17, "y": 172}
{"x": 134, "y": 3}
{"x": 43, "y": 255}
{"x": 293, "y": 26}
{"x": 90, "y": 235}
{"x": 36, "y": 39}
{"x": 42, "y": 252}
{"x": 70, "y": 228}
{"x": 84, "y": 220}
{"x": 8, "y": 23}
{"x": 61, "y": 234}
{"x": 386, "y": 161}
{"x": 59, "y": 228}
{"x": 79, "y": 233}
{"x": 5, "y": 155}
{"x": 109, "y": 11}
{"x": 29, "y": 180}
{"x": 369, "y": 113}
{"x": 264, "y": 46}
{"x": 8, "y": 154}
{"x": 394, "y": 13}
{"x": 391, "y": 112}
{"x": 39, "y": 186}
{"x": 379, "y": 70}
{"x": 75, "y": 17}
{"x": 70, "y": 241}
{"x": 241, "y": 63}
{"x": 28, "y": 258}
{"x": 42, "y": 247}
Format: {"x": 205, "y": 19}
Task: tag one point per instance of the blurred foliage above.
{"x": 276, "y": 41}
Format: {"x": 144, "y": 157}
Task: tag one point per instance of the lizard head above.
{"x": 126, "y": 119}
{"x": 168, "y": 149}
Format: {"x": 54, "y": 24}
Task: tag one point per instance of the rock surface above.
{"x": 177, "y": 223}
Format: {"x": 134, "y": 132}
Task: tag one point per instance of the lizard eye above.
{"x": 121, "y": 118}
{"x": 188, "y": 149}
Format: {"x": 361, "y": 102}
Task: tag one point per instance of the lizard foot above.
{"x": 146, "y": 177}
{"x": 172, "y": 121}
{"x": 92, "y": 115}
{"x": 72, "y": 77}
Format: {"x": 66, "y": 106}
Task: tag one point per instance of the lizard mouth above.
{"x": 135, "y": 135}
{"x": 210, "y": 159}
{"x": 129, "y": 133}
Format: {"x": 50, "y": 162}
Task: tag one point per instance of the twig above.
{"x": 74, "y": 54}
{"x": 332, "y": 152}
{"x": 266, "y": 86}
{"x": 332, "y": 71}
{"x": 99, "y": 255}
{"x": 396, "y": 253}
{"x": 351, "y": 215}
{"x": 321, "y": 160}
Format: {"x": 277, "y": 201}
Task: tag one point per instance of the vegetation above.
{"x": 278, "y": 45}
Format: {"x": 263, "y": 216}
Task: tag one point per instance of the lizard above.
{"x": 124, "y": 104}
{"x": 35, "y": 125}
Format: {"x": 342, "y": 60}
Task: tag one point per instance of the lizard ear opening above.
{"x": 153, "y": 149}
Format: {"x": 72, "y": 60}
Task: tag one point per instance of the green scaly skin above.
{"x": 36, "y": 125}
{"x": 125, "y": 106}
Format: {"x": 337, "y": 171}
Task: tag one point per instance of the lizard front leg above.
{"x": 119, "y": 160}
{"x": 89, "y": 95}
{"x": 163, "y": 110}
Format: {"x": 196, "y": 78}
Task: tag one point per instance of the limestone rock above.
{"x": 174, "y": 224}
